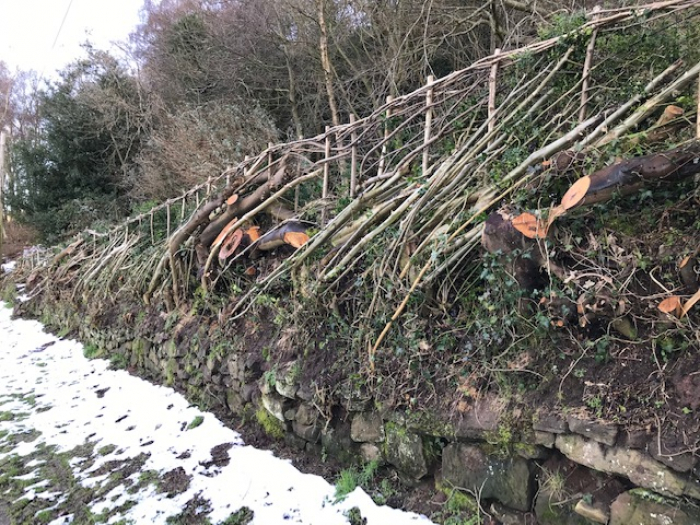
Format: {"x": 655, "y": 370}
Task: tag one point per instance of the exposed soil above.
{"x": 175, "y": 481}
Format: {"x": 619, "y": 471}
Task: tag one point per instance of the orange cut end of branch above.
{"x": 576, "y": 193}
{"x": 670, "y": 305}
{"x": 253, "y": 233}
{"x": 222, "y": 235}
{"x": 296, "y": 239}
{"x": 230, "y": 244}
{"x": 232, "y": 199}
{"x": 529, "y": 225}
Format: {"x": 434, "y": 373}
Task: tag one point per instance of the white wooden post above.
{"x": 326, "y": 174}
{"x": 697, "y": 117}
{"x": 2, "y": 188}
{"x": 493, "y": 75}
{"x": 587, "y": 69}
{"x": 353, "y": 157}
{"x": 382, "y": 157}
{"x": 428, "y": 122}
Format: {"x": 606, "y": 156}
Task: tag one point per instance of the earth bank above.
{"x": 525, "y": 465}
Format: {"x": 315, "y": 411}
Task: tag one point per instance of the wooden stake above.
{"x": 428, "y": 121}
{"x": 587, "y": 69}
{"x": 153, "y": 236}
{"x": 2, "y": 185}
{"x": 326, "y": 174}
{"x": 492, "y": 92}
{"x": 382, "y": 157}
{"x": 296, "y": 188}
{"x": 697, "y": 117}
{"x": 167, "y": 218}
{"x": 269, "y": 160}
{"x": 353, "y": 157}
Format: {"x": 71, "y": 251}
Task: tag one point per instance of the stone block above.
{"x": 311, "y": 433}
{"x": 370, "y": 452}
{"x": 306, "y": 414}
{"x": 635, "y": 465}
{"x": 235, "y": 367}
{"x": 678, "y": 460}
{"x": 248, "y": 391}
{"x": 367, "y": 427}
{"x": 404, "y": 450}
{"x": 600, "y": 431}
{"x": 234, "y": 401}
{"x": 509, "y": 479}
{"x": 286, "y": 382}
{"x": 545, "y": 439}
{"x": 354, "y": 399}
{"x": 275, "y": 405}
{"x": 337, "y": 443}
{"x": 593, "y": 513}
{"x": 633, "y": 508}
{"x": 546, "y": 421}
{"x": 481, "y": 419}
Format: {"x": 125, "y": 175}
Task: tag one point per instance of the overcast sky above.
{"x": 28, "y": 29}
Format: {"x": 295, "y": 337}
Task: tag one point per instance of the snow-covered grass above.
{"x": 133, "y": 450}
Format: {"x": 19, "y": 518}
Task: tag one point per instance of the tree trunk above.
{"x": 630, "y": 175}
{"x": 506, "y": 233}
{"x": 326, "y": 61}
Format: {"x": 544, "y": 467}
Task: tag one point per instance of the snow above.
{"x": 53, "y": 389}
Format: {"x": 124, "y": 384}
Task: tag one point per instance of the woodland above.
{"x": 426, "y": 200}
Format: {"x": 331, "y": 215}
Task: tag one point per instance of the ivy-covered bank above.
{"x": 525, "y": 465}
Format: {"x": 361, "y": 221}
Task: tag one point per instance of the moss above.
{"x": 269, "y": 423}
{"x": 9, "y": 293}
{"x": 501, "y": 441}
{"x": 198, "y": 420}
{"x": 525, "y": 449}
{"x": 649, "y": 495}
{"x": 92, "y": 351}
{"x": 425, "y": 422}
{"x": 457, "y": 501}
{"x": 242, "y": 516}
{"x": 170, "y": 369}
{"x": 106, "y": 450}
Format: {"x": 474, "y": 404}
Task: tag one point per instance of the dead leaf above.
{"x": 463, "y": 406}
{"x": 576, "y": 193}
{"x": 530, "y": 226}
{"x": 670, "y": 305}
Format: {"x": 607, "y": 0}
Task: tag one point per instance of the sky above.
{"x": 70, "y": 401}
{"x": 32, "y": 35}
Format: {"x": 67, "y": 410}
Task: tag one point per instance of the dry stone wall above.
{"x": 554, "y": 469}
